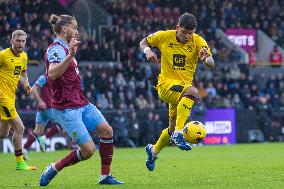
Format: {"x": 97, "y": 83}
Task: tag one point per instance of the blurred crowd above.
{"x": 125, "y": 89}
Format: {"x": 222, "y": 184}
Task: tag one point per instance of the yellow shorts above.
{"x": 170, "y": 91}
{"x": 7, "y": 109}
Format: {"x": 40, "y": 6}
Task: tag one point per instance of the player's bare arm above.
{"x": 25, "y": 82}
{"x": 56, "y": 70}
{"x": 206, "y": 58}
{"x": 35, "y": 91}
{"x": 145, "y": 48}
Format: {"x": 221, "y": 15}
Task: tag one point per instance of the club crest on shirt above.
{"x": 75, "y": 134}
{"x": 55, "y": 55}
{"x": 171, "y": 45}
{"x": 190, "y": 48}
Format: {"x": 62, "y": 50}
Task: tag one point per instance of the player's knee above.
{"x": 38, "y": 130}
{"x": 108, "y": 132}
{"x": 192, "y": 93}
{"x": 87, "y": 151}
{"x": 19, "y": 130}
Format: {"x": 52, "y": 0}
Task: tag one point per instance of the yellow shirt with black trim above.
{"x": 178, "y": 60}
{"x": 11, "y": 67}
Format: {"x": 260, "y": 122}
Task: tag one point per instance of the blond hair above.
{"x": 17, "y": 33}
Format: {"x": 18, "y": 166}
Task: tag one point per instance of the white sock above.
{"x": 53, "y": 167}
{"x": 102, "y": 177}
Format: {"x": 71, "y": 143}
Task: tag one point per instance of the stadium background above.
{"x": 247, "y": 81}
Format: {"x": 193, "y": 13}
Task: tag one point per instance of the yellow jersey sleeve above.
{"x": 155, "y": 39}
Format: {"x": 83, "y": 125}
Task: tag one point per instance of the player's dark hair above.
{"x": 57, "y": 22}
{"x": 188, "y": 21}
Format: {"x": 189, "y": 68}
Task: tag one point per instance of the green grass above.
{"x": 258, "y": 166}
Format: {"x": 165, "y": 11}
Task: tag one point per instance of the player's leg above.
{"x": 71, "y": 121}
{"x": 41, "y": 122}
{"x": 163, "y": 141}
{"x": 165, "y": 136}
{"x": 4, "y": 116}
{"x": 18, "y": 127}
{"x": 54, "y": 129}
{"x": 4, "y": 129}
{"x": 188, "y": 97}
{"x": 97, "y": 125}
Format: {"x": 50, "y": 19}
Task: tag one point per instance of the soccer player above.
{"x": 180, "y": 50}
{"x": 13, "y": 68}
{"x": 71, "y": 109}
{"x": 42, "y": 93}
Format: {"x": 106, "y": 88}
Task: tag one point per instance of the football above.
{"x": 194, "y": 132}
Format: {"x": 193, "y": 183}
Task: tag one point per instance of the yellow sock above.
{"x": 19, "y": 158}
{"x": 183, "y": 112}
{"x": 163, "y": 141}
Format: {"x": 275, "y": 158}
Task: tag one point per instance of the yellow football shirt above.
{"x": 11, "y": 67}
{"x": 178, "y": 60}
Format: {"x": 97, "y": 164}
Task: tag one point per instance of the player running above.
{"x": 180, "y": 50}
{"x": 13, "y": 68}
{"x": 42, "y": 93}
{"x": 71, "y": 109}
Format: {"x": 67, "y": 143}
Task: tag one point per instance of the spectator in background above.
{"x": 120, "y": 124}
{"x": 35, "y": 53}
{"x": 199, "y": 111}
{"x": 252, "y": 56}
{"x": 134, "y": 128}
{"x": 263, "y": 111}
{"x": 150, "y": 129}
{"x": 275, "y": 57}
{"x": 158, "y": 125}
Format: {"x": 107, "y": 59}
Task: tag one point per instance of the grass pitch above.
{"x": 233, "y": 166}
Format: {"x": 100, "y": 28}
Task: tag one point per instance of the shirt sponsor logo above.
{"x": 17, "y": 70}
{"x": 179, "y": 61}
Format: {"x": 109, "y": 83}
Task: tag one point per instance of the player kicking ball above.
{"x": 180, "y": 50}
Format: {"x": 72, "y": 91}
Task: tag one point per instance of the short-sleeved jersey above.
{"x": 11, "y": 68}
{"x": 178, "y": 60}
{"x": 45, "y": 90}
{"x": 66, "y": 90}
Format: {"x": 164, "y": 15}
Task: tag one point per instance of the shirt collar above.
{"x": 63, "y": 43}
